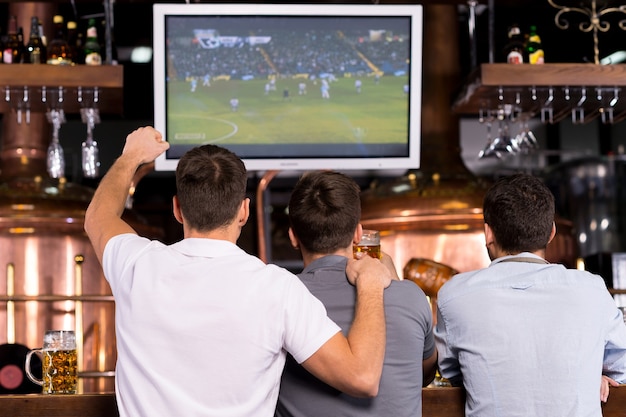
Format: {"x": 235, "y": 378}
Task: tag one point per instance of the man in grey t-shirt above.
{"x": 324, "y": 214}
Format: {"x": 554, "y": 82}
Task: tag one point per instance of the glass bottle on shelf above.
{"x": 58, "y": 48}
{"x": 92, "y": 50}
{"x": 12, "y": 53}
{"x": 73, "y": 41}
{"x": 514, "y": 49}
{"x": 3, "y": 41}
{"x": 42, "y": 35}
{"x": 35, "y": 49}
{"x": 21, "y": 43}
{"x": 534, "y": 49}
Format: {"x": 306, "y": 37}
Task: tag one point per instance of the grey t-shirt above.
{"x": 409, "y": 340}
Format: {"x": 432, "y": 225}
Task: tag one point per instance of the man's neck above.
{"x": 500, "y": 253}
{"x": 230, "y": 233}
{"x": 307, "y": 258}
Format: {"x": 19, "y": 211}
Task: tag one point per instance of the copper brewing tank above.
{"x": 52, "y": 273}
{"x": 435, "y": 213}
{"x": 58, "y": 282}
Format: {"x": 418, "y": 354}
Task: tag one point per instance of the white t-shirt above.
{"x": 202, "y": 327}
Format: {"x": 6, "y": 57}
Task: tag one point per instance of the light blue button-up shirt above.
{"x": 529, "y": 339}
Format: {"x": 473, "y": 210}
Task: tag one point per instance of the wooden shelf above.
{"x": 555, "y": 91}
{"x": 75, "y": 80}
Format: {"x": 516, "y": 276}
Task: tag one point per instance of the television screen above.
{"x": 290, "y": 87}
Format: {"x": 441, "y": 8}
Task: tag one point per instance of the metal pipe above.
{"x": 10, "y": 305}
{"x": 108, "y": 31}
{"x": 262, "y": 228}
{"x": 471, "y": 25}
{"x": 53, "y": 298}
{"x": 490, "y": 5}
{"x": 78, "y": 315}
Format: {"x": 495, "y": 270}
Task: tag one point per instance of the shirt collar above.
{"x": 209, "y": 248}
{"x": 519, "y": 255}
{"x": 328, "y": 261}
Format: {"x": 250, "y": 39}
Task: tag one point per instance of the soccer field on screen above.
{"x": 285, "y": 115}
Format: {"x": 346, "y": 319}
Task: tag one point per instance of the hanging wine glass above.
{"x": 55, "y": 158}
{"x": 501, "y": 144}
{"x": 526, "y": 138}
{"x": 90, "y": 151}
{"x": 488, "y": 150}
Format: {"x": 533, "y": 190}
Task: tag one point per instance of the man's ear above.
{"x": 489, "y": 239}
{"x": 293, "y": 239}
{"x": 178, "y": 215}
{"x": 358, "y": 234}
{"x": 244, "y": 212}
{"x": 553, "y": 232}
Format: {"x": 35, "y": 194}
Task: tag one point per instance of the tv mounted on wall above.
{"x": 290, "y": 87}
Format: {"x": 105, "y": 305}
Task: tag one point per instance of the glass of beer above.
{"x": 59, "y": 363}
{"x": 369, "y": 244}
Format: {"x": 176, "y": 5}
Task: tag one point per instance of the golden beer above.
{"x": 371, "y": 250}
{"x": 59, "y": 363}
{"x": 369, "y": 244}
{"x": 59, "y": 371}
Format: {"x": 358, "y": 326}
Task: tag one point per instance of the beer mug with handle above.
{"x": 59, "y": 363}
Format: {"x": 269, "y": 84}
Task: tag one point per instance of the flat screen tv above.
{"x": 290, "y": 87}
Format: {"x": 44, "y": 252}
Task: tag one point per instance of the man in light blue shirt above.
{"x": 523, "y": 336}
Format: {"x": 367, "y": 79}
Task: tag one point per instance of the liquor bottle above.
{"x": 514, "y": 49}
{"x": 35, "y": 49}
{"x": 58, "y": 48}
{"x": 22, "y": 45}
{"x": 12, "y": 53}
{"x": 3, "y": 40}
{"x": 42, "y": 35}
{"x": 73, "y": 41}
{"x": 92, "y": 50}
{"x": 534, "y": 50}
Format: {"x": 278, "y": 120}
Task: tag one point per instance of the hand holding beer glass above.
{"x": 59, "y": 363}
{"x": 369, "y": 244}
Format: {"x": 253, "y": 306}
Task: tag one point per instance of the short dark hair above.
{"x": 324, "y": 211}
{"x": 520, "y": 211}
{"x": 210, "y": 184}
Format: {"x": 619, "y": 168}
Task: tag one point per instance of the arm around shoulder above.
{"x": 353, "y": 364}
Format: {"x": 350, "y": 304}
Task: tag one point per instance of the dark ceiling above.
{"x": 133, "y": 22}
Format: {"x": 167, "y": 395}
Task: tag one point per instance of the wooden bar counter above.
{"x": 437, "y": 402}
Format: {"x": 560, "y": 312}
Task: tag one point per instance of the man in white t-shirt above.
{"x": 202, "y": 327}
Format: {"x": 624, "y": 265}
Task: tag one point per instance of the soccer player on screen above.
{"x": 234, "y": 104}
{"x": 324, "y": 89}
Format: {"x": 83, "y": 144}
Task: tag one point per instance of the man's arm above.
{"x": 448, "y": 362}
{"x": 354, "y": 364}
{"x": 604, "y": 387}
{"x": 429, "y": 369}
{"x": 388, "y": 262}
{"x": 103, "y": 218}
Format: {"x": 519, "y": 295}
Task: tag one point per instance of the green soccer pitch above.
{"x": 379, "y": 114}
